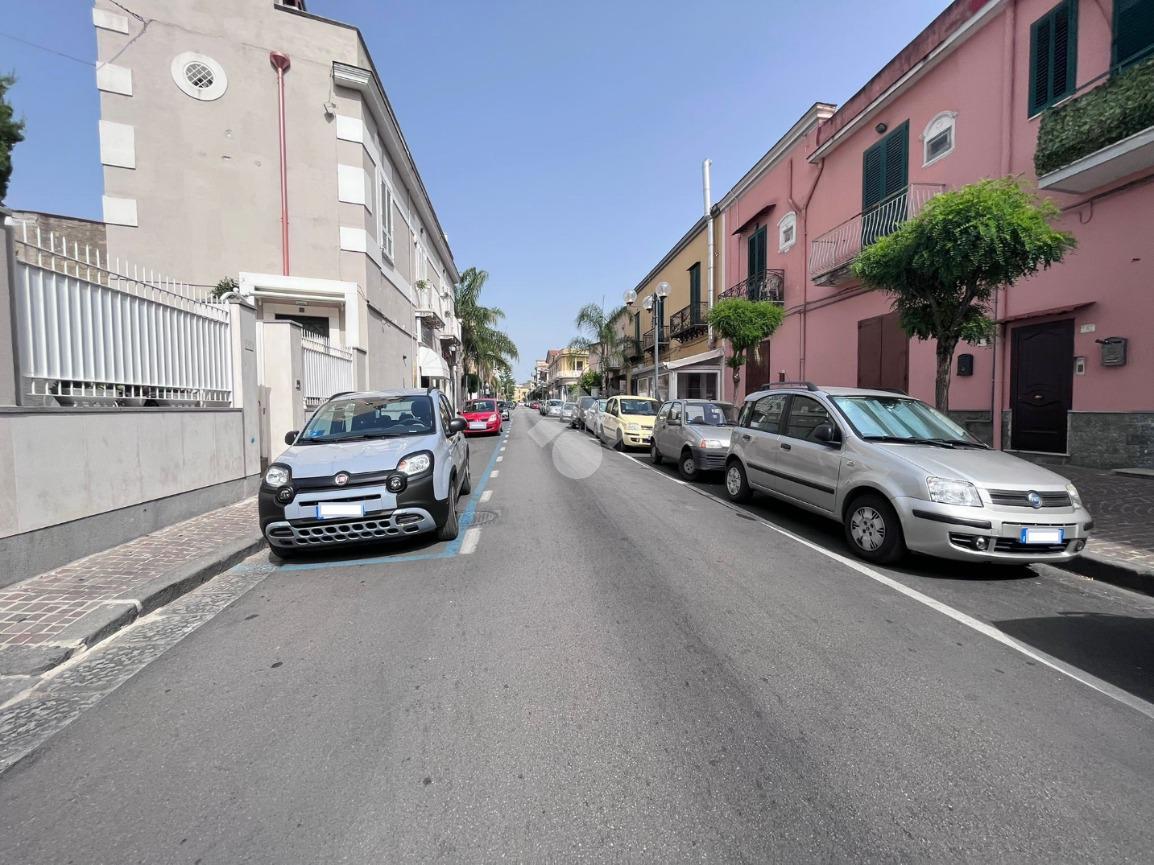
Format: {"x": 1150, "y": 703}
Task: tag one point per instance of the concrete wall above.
{"x": 8, "y": 371}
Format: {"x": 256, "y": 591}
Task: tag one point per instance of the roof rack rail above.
{"x": 808, "y": 385}
{"x": 341, "y": 393}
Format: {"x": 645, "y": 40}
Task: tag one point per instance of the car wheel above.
{"x": 873, "y": 530}
{"x": 736, "y": 483}
{"x": 654, "y": 454}
{"x": 467, "y": 483}
{"x": 619, "y": 445}
{"x": 449, "y": 529}
{"x": 687, "y": 466}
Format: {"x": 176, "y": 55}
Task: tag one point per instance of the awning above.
{"x": 1042, "y": 313}
{"x": 432, "y": 364}
{"x": 697, "y": 358}
{"x": 754, "y": 218}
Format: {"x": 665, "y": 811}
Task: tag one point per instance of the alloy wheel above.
{"x": 867, "y": 528}
{"x": 733, "y": 480}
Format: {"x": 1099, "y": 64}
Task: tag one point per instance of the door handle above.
{"x": 786, "y": 447}
{"x": 744, "y": 437}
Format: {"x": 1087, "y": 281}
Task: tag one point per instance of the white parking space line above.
{"x": 494, "y": 473}
{"x": 1090, "y": 681}
{"x": 469, "y": 544}
{"x": 485, "y": 496}
{"x": 500, "y": 459}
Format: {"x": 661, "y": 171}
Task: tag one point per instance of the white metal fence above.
{"x": 327, "y": 370}
{"x": 90, "y": 332}
{"x": 839, "y": 246}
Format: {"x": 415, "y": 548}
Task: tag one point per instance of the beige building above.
{"x": 199, "y": 99}
{"x": 565, "y": 368}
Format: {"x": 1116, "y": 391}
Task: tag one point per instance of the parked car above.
{"x": 583, "y": 403}
{"x": 482, "y": 416}
{"x": 694, "y": 433}
{"x": 900, "y": 475}
{"x": 593, "y": 417}
{"x": 553, "y": 408}
{"x": 367, "y": 467}
{"x": 535, "y": 405}
{"x": 568, "y": 412}
{"x": 504, "y": 407}
{"x": 628, "y": 421}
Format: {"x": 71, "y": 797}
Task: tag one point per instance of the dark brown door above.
{"x": 1041, "y": 386}
{"x": 883, "y": 353}
{"x": 758, "y": 373}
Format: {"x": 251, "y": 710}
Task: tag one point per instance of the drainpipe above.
{"x": 997, "y": 355}
{"x": 281, "y": 64}
{"x": 705, "y": 166}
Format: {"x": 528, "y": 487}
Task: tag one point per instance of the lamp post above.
{"x": 654, "y": 303}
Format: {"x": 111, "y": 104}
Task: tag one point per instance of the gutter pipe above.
{"x": 281, "y": 63}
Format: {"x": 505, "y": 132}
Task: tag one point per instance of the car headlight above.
{"x": 415, "y": 464}
{"x": 632, "y": 427}
{"x": 948, "y": 492}
{"x": 1075, "y": 499}
{"x": 493, "y": 417}
{"x": 277, "y": 476}
{"x": 713, "y": 443}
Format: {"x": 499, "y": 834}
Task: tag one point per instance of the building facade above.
{"x": 255, "y": 141}
{"x": 564, "y": 371}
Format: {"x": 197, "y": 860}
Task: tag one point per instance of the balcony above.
{"x": 428, "y": 305}
{"x": 1101, "y": 136}
{"x": 649, "y": 339}
{"x": 631, "y": 349}
{"x": 831, "y": 254}
{"x": 767, "y": 286}
{"x": 689, "y": 323}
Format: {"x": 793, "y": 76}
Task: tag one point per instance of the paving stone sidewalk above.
{"x": 36, "y": 611}
{"x": 1123, "y": 511}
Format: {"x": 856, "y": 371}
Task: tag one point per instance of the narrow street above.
{"x": 610, "y": 666}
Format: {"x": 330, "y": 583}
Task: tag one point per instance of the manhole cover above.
{"x": 478, "y": 518}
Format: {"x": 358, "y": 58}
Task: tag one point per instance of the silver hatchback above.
{"x": 898, "y": 475}
{"x": 693, "y": 433}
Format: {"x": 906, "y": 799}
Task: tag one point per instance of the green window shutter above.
{"x": 873, "y": 181}
{"x": 637, "y": 327}
{"x": 1053, "y": 56}
{"x": 1065, "y": 51}
{"x": 694, "y": 288}
{"x": 1133, "y": 31}
{"x": 897, "y": 160}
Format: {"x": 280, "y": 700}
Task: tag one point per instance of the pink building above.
{"x": 1071, "y": 371}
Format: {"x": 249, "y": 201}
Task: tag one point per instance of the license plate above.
{"x": 476, "y": 424}
{"x": 332, "y": 510}
{"x": 1042, "y": 536}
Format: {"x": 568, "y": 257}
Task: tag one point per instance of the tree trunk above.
{"x": 945, "y": 357}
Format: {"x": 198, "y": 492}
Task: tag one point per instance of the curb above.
{"x": 196, "y": 572}
{"x": 1133, "y": 577}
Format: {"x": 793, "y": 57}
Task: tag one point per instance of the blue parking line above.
{"x": 451, "y": 549}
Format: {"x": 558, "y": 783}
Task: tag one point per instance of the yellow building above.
{"x": 566, "y": 366}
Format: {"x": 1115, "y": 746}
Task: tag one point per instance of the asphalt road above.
{"x": 613, "y": 667}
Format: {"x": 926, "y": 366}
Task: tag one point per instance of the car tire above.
{"x": 873, "y": 530}
{"x": 467, "y": 483}
{"x": 654, "y": 454}
{"x": 449, "y": 529}
{"x": 686, "y": 466}
{"x": 736, "y": 483}
{"x": 619, "y": 445}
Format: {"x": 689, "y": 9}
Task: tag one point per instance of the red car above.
{"x": 535, "y": 405}
{"x": 483, "y": 417}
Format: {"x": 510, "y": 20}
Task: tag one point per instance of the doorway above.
{"x": 883, "y": 353}
{"x": 1041, "y": 386}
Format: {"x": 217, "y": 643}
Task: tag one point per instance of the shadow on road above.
{"x": 1118, "y": 649}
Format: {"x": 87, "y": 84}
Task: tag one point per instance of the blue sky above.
{"x": 561, "y": 142}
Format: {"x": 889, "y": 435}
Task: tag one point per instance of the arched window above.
{"x": 786, "y": 232}
{"x": 939, "y": 138}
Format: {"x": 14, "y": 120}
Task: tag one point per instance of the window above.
{"x": 805, "y": 415}
{"x": 578, "y": 365}
{"x": 938, "y": 138}
{"x": 675, "y": 413}
{"x": 1053, "y": 51}
{"x": 695, "y": 292}
{"x": 446, "y": 415}
{"x": 786, "y": 232}
{"x": 756, "y": 257}
{"x": 370, "y": 416}
{"x": 1133, "y": 31}
{"x": 199, "y": 76}
{"x": 384, "y": 215}
{"x": 885, "y": 168}
{"x": 766, "y": 414}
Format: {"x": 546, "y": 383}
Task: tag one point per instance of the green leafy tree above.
{"x": 225, "y": 286}
{"x": 590, "y": 379}
{"x": 744, "y": 324}
{"x": 11, "y": 134}
{"x": 487, "y": 350}
{"x": 506, "y": 384}
{"x": 942, "y": 267}
{"x": 598, "y": 332}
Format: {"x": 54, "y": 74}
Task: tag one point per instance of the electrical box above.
{"x": 965, "y": 364}
{"x": 1113, "y": 350}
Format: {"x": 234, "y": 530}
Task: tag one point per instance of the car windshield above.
{"x": 586, "y": 401}
{"x": 601, "y": 403}
{"x": 554, "y": 402}
{"x": 639, "y": 406}
{"x": 479, "y": 406}
{"x": 569, "y": 406}
{"x": 369, "y": 417}
{"x": 710, "y": 413}
{"x": 886, "y": 418}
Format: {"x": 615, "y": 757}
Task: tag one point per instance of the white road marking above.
{"x": 1087, "y": 679}
{"x": 485, "y": 496}
{"x": 472, "y": 538}
{"x": 500, "y": 459}
{"x": 494, "y": 473}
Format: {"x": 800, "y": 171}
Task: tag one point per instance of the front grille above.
{"x": 1011, "y": 545}
{"x": 1019, "y": 499}
{"x": 335, "y": 533}
{"x": 713, "y": 460}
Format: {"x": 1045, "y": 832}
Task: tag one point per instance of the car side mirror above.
{"x": 457, "y": 424}
{"x": 827, "y": 433}
{"x": 291, "y": 436}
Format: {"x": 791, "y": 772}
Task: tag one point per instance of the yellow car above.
{"x": 627, "y": 421}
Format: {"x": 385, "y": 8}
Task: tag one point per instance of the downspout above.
{"x": 996, "y": 349}
{"x": 705, "y": 166}
{"x": 281, "y": 64}
{"x": 803, "y": 215}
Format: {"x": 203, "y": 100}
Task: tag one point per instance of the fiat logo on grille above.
{"x": 1034, "y": 499}
{"x": 341, "y": 479}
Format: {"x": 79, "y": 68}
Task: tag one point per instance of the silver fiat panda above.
{"x": 367, "y": 467}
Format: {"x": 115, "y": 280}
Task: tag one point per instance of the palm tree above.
{"x": 486, "y": 349}
{"x": 599, "y": 332}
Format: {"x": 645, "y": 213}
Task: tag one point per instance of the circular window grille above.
{"x": 199, "y": 75}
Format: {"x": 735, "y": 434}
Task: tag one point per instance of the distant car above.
{"x": 482, "y": 416}
{"x": 627, "y": 421}
{"x": 568, "y": 412}
{"x": 583, "y": 403}
{"x": 553, "y": 408}
{"x": 504, "y": 406}
{"x": 693, "y": 433}
{"x": 535, "y": 405}
{"x": 898, "y": 474}
{"x": 593, "y": 417}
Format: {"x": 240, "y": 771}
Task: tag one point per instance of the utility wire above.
{"x": 88, "y": 63}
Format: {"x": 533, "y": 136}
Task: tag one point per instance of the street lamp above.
{"x": 654, "y": 307}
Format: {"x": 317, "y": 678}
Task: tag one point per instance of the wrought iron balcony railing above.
{"x": 768, "y": 285}
{"x": 838, "y": 247}
{"x": 689, "y": 322}
{"x": 650, "y": 336}
{"x": 631, "y": 349}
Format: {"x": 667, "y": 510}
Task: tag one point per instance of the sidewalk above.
{"x": 46, "y": 618}
{"x": 1122, "y": 548}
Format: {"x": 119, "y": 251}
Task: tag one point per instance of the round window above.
{"x": 199, "y": 76}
